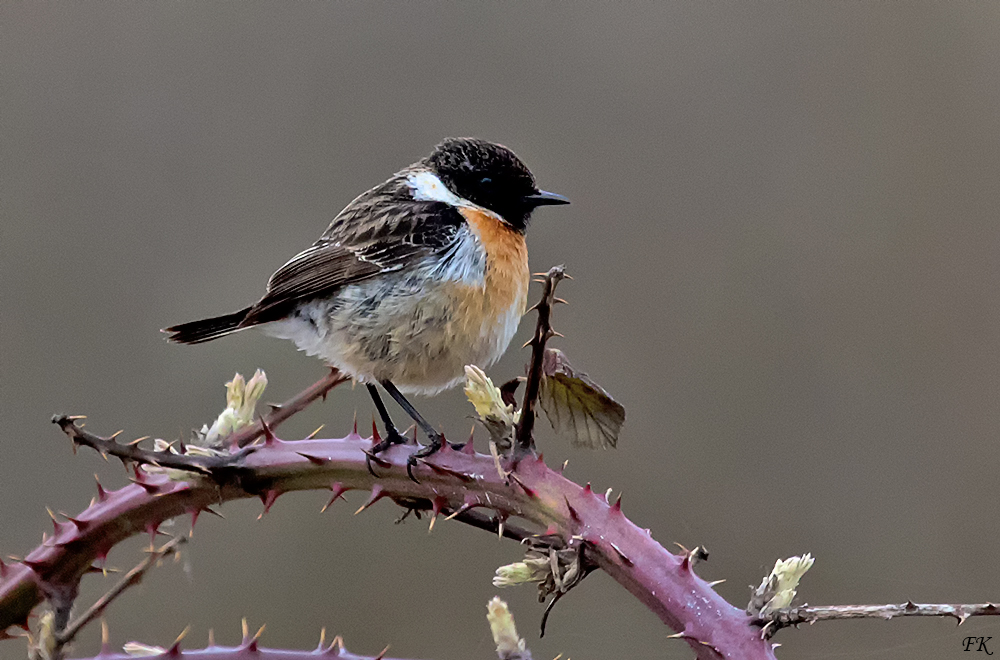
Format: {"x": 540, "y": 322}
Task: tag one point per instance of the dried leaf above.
{"x": 577, "y": 406}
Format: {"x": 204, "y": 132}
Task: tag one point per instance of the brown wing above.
{"x": 384, "y": 229}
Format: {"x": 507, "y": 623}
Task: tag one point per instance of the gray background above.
{"x": 784, "y": 239}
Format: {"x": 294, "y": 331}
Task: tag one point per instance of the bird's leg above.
{"x": 437, "y": 440}
{"x": 392, "y": 436}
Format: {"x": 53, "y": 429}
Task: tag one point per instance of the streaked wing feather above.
{"x": 382, "y": 230}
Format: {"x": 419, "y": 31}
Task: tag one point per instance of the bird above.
{"x": 414, "y": 279}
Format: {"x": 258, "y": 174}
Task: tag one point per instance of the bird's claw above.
{"x": 392, "y": 437}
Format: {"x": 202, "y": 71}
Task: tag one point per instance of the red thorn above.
{"x": 587, "y": 490}
{"x": 686, "y": 563}
{"x": 572, "y": 512}
{"x": 152, "y": 528}
{"x": 377, "y": 460}
{"x": 414, "y": 439}
{"x": 194, "y": 519}
{"x": 315, "y": 460}
{"x": 3, "y": 569}
{"x": 32, "y": 564}
{"x": 102, "y": 494}
{"x": 440, "y": 469}
{"x": 617, "y": 506}
{"x": 540, "y": 459}
{"x": 269, "y": 438}
{"x": 382, "y": 654}
{"x": 437, "y": 505}
{"x": 551, "y": 530}
{"x": 149, "y": 488}
{"x": 622, "y": 555}
{"x": 267, "y": 498}
{"x": 336, "y": 647}
{"x": 468, "y": 448}
{"x": 530, "y": 492}
{"x": 338, "y": 493}
{"x": 376, "y": 438}
{"x": 377, "y": 494}
{"x": 355, "y": 431}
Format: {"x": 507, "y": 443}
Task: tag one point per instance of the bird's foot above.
{"x": 437, "y": 442}
{"x": 392, "y": 437}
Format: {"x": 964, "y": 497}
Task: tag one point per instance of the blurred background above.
{"x": 784, "y": 239}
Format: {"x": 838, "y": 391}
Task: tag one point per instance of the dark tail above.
{"x": 197, "y": 332}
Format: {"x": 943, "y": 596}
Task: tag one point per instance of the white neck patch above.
{"x": 427, "y": 187}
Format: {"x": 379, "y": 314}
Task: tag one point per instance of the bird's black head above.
{"x": 491, "y": 176}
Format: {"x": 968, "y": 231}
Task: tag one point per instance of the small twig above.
{"x": 133, "y": 453}
{"x": 543, "y": 332}
{"x": 813, "y": 613}
{"x": 131, "y": 578}
{"x": 280, "y": 413}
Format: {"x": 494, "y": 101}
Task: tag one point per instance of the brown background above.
{"x": 784, "y": 238}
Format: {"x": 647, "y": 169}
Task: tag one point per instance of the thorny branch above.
{"x": 812, "y": 613}
{"x": 133, "y": 577}
{"x": 457, "y": 483}
{"x": 543, "y": 332}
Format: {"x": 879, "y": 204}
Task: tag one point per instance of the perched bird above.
{"x": 416, "y": 278}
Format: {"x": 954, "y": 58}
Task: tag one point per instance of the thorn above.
{"x": 316, "y": 432}
{"x": 80, "y": 525}
{"x": 500, "y": 526}
{"x": 440, "y": 469}
{"x": 338, "y": 494}
{"x": 530, "y": 492}
{"x": 381, "y": 462}
{"x": 552, "y": 333}
{"x": 587, "y": 490}
{"x": 459, "y": 511}
{"x": 355, "y": 431}
{"x": 138, "y": 440}
{"x": 246, "y": 630}
{"x": 152, "y": 528}
{"x": 607, "y": 496}
{"x": 275, "y": 407}
{"x": 715, "y": 583}
{"x": 376, "y": 438}
{"x": 382, "y": 654}
{"x": 563, "y": 468}
{"x": 111, "y": 438}
{"x": 437, "y": 505}
{"x": 211, "y": 637}
{"x": 194, "y": 521}
{"x": 622, "y": 555}
{"x": 336, "y": 646}
{"x": 105, "y": 638}
{"x": 212, "y": 511}
{"x": 322, "y": 640}
{"x": 377, "y": 494}
{"x": 148, "y": 487}
{"x": 175, "y": 648}
{"x": 267, "y": 498}
{"x": 269, "y": 437}
{"x": 3, "y": 569}
{"x": 468, "y": 447}
{"x": 413, "y": 428}
{"x": 560, "y": 301}
{"x": 617, "y": 506}
{"x": 315, "y": 460}
{"x": 527, "y": 343}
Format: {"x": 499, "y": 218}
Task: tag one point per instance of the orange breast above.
{"x": 506, "y": 259}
